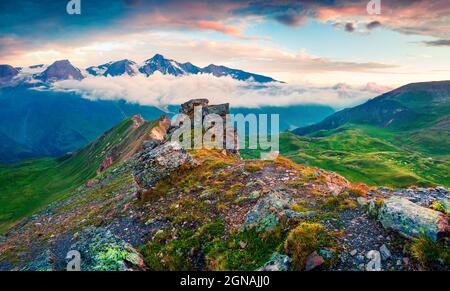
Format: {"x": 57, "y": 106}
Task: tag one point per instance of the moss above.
{"x": 426, "y": 252}
{"x": 244, "y": 250}
{"x": 253, "y": 168}
{"x": 296, "y": 183}
{"x": 303, "y": 240}
{"x": 337, "y": 203}
{"x": 181, "y": 254}
{"x": 436, "y": 205}
{"x": 210, "y": 248}
{"x": 299, "y": 208}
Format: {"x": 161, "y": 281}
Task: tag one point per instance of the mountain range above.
{"x": 63, "y": 70}
{"x": 36, "y": 121}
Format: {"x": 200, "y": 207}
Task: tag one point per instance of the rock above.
{"x": 362, "y": 201}
{"x": 277, "y": 262}
{"x": 411, "y": 220}
{"x": 150, "y": 144}
{"x": 188, "y": 107}
{"x": 106, "y": 163}
{"x": 221, "y": 109}
{"x": 152, "y": 165}
{"x": 335, "y": 182}
{"x": 254, "y": 195}
{"x": 313, "y": 261}
{"x": 91, "y": 183}
{"x": 267, "y": 213}
{"x": 372, "y": 210}
{"x": 375, "y": 261}
{"x": 137, "y": 121}
{"x": 353, "y": 253}
{"x": 43, "y": 262}
{"x": 102, "y": 251}
{"x": 385, "y": 253}
{"x": 326, "y": 254}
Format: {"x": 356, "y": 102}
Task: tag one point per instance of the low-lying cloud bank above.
{"x": 162, "y": 90}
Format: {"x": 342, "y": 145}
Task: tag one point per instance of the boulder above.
{"x": 277, "y": 262}
{"x": 102, "y": 251}
{"x": 155, "y": 164}
{"x": 335, "y": 182}
{"x": 188, "y": 107}
{"x": 137, "y": 121}
{"x": 313, "y": 261}
{"x": 412, "y": 220}
{"x": 385, "y": 252}
{"x": 269, "y": 211}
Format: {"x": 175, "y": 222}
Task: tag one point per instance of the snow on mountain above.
{"x": 63, "y": 70}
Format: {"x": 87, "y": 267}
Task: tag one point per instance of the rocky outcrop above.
{"x": 412, "y": 220}
{"x": 269, "y": 212}
{"x": 155, "y": 164}
{"x": 222, "y": 110}
{"x": 335, "y": 182}
{"x": 420, "y": 196}
{"x": 139, "y": 135}
{"x": 102, "y": 251}
{"x": 137, "y": 121}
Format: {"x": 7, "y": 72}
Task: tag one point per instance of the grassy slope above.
{"x": 28, "y": 186}
{"x": 367, "y": 154}
{"x": 364, "y": 145}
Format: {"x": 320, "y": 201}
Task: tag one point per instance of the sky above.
{"x": 310, "y": 43}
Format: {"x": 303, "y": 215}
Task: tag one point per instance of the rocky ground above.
{"x": 166, "y": 208}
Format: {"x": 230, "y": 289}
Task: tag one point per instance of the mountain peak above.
{"x": 158, "y": 57}
{"x": 7, "y": 72}
{"x": 60, "y": 70}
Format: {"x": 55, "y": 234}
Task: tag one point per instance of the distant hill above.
{"x": 397, "y": 139}
{"x": 409, "y": 107}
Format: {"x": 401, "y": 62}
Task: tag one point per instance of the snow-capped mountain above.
{"x": 171, "y": 67}
{"x": 115, "y": 69}
{"x": 63, "y": 70}
{"x": 59, "y": 70}
{"x": 8, "y": 72}
{"x": 220, "y": 71}
{"x": 166, "y": 66}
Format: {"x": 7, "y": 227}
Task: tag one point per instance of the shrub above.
{"x": 252, "y": 168}
{"x": 425, "y": 251}
{"x": 302, "y": 241}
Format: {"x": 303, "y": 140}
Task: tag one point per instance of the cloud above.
{"x": 163, "y": 90}
{"x": 373, "y": 24}
{"x": 349, "y": 27}
{"x": 439, "y": 42}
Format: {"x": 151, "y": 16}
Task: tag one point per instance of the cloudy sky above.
{"x": 317, "y": 43}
